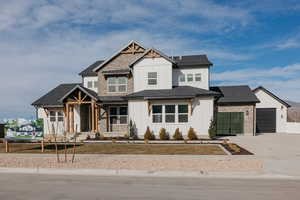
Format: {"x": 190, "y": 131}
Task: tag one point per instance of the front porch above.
{"x": 86, "y": 114}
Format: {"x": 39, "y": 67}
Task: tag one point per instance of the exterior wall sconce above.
{"x": 247, "y": 113}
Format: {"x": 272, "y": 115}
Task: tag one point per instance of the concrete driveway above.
{"x": 280, "y": 151}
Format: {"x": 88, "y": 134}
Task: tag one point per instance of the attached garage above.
{"x": 230, "y": 123}
{"x": 271, "y": 112}
{"x": 266, "y": 120}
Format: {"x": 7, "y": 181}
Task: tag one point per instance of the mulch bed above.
{"x": 238, "y": 150}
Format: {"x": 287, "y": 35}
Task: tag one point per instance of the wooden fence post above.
{"x": 6, "y": 147}
{"x": 42, "y": 144}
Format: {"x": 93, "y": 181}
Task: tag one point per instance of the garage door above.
{"x": 266, "y": 120}
{"x": 230, "y": 123}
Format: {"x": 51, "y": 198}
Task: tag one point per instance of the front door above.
{"x": 230, "y": 123}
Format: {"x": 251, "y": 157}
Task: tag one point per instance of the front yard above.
{"x": 140, "y": 149}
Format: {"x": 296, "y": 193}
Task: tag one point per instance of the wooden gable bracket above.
{"x": 133, "y": 48}
{"x": 149, "y": 108}
{"x": 152, "y": 54}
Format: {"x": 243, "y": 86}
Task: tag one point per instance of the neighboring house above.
{"x": 27, "y": 128}
{"x": 150, "y": 89}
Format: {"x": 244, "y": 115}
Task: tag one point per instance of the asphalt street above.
{"x": 44, "y": 187}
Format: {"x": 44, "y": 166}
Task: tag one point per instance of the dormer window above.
{"x": 198, "y": 77}
{"x": 190, "y": 78}
{"x": 117, "y": 84}
{"x": 152, "y": 78}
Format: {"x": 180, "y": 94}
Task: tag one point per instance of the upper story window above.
{"x": 152, "y": 78}
{"x": 190, "y": 78}
{"x": 197, "y": 77}
{"x": 181, "y": 78}
{"x": 90, "y": 84}
{"x": 117, "y": 84}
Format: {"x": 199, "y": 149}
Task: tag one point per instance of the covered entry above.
{"x": 230, "y": 123}
{"x": 266, "y": 120}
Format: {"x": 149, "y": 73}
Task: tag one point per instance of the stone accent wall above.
{"x": 249, "y": 120}
{"x": 120, "y": 62}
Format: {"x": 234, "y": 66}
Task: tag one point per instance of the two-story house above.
{"x": 149, "y": 89}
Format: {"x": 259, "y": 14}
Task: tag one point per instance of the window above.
{"x": 170, "y": 113}
{"x": 118, "y": 115}
{"x": 157, "y": 113}
{"x": 90, "y": 84}
{"x": 117, "y": 84}
{"x": 95, "y": 84}
{"x": 60, "y": 116}
{"x": 190, "y": 78}
{"x": 182, "y": 78}
{"x": 52, "y": 116}
{"x": 183, "y": 113}
{"x": 197, "y": 77}
{"x": 152, "y": 78}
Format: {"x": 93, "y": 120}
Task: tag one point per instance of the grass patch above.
{"x": 158, "y": 149}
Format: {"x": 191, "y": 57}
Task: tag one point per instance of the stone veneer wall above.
{"x": 120, "y": 62}
{"x": 249, "y": 121}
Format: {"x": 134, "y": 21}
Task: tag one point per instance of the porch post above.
{"x": 97, "y": 118}
{"x": 67, "y": 123}
{"x": 72, "y": 118}
{"x": 93, "y": 115}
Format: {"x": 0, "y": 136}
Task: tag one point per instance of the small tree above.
{"x": 177, "y": 135}
{"x": 192, "y": 134}
{"x": 163, "y": 135}
{"x": 212, "y": 129}
{"x": 149, "y": 135}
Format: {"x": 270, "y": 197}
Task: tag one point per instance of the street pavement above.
{"x": 46, "y": 187}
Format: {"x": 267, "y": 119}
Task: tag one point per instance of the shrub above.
{"x": 163, "y": 135}
{"x": 126, "y": 136}
{"x": 149, "y": 135}
{"x": 212, "y": 131}
{"x": 177, "y": 135}
{"x": 192, "y": 134}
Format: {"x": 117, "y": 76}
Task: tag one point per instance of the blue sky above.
{"x": 45, "y": 43}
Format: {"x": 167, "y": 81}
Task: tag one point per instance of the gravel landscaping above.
{"x": 159, "y": 163}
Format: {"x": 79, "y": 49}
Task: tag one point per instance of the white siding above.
{"x": 293, "y": 127}
{"x": 199, "y": 120}
{"x": 204, "y": 83}
{"x": 159, "y": 65}
{"x": 49, "y": 126}
{"x": 266, "y": 101}
{"x": 93, "y": 79}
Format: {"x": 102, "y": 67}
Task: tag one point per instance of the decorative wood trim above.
{"x": 133, "y": 48}
{"x": 152, "y": 54}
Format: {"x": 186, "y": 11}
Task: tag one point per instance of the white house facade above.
{"x": 146, "y": 88}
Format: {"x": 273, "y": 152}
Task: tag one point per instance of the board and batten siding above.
{"x": 163, "y": 68}
{"x": 48, "y": 126}
{"x": 202, "y": 113}
{"x": 204, "y": 83}
{"x": 266, "y": 101}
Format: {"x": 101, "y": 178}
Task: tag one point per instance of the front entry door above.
{"x": 230, "y": 123}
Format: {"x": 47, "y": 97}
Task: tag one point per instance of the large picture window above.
{"x": 118, "y": 115}
{"x": 183, "y": 113}
{"x": 170, "y": 113}
{"x": 117, "y": 84}
{"x": 157, "y": 113}
{"x": 176, "y": 113}
{"x": 152, "y": 78}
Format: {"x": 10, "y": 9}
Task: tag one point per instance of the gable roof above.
{"x": 272, "y": 95}
{"x": 192, "y": 61}
{"x": 149, "y": 51}
{"x": 52, "y": 98}
{"x": 240, "y": 94}
{"x": 179, "y": 92}
{"x": 87, "y": 91}
{"x": 116, "y": 54}
{"x": 89, "y": 70}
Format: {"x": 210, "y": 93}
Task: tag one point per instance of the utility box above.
{"x": 2, "y": 126}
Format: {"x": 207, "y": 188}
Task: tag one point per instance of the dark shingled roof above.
{"x": 192, "y": 61}
{"x": 272, "y": 95}
{"x": 89, "y": 70}
{"x": 111, "y": 98}
{"x": 235, "y": 94}
{"x": 179, "y": 92}
{"x": 117, "y": 71}
{"x": 52, "y": 98}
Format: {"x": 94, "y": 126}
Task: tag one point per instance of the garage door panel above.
{"x": 230, "y": 123}
{"x": 266, "y": 120}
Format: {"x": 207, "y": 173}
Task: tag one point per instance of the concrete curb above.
{"x": 144, "y": 173}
